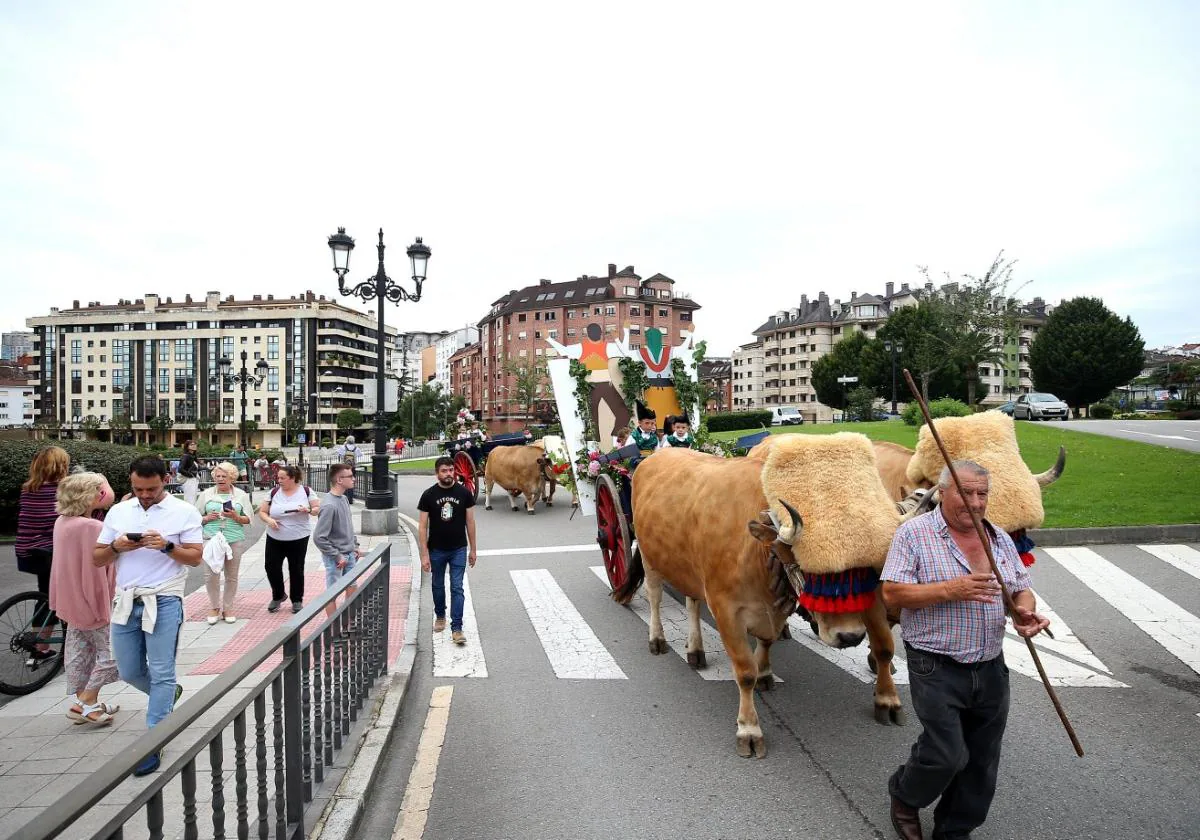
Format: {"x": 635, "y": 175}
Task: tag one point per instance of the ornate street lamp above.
{"x": 243, "y": 378}
{"x": 379, "y": 288}
{"x": 895, "y": 348}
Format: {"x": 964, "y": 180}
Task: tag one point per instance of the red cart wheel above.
{"x": 464, "y": 471}
{"x": 612, "y": 532}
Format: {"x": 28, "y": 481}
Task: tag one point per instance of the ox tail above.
{"x": 635, "y": 574}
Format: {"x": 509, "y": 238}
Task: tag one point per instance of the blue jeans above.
{"x": 456, "y": 559}
{"x": 332, "y": 572}
{"x": 147, "y": 660}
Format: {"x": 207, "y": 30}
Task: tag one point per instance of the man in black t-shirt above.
{"x": 447, "y": 527}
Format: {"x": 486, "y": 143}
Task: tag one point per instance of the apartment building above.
{"x": 449, "y": 344}
{"x": 408, "y": 354}
{"x": 515, "y": 329}
{"x": 466, "y": 376}
{"x": 791, "y": 340}
{"x": 14, "y": 345}
{"x": 717, "y": 374}
{"x": 155, "y": 357}
{"x": 16, "y": 403}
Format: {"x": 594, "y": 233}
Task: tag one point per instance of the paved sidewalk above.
{"x": 42, "y": 753}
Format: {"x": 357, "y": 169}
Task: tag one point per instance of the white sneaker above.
{"x": 213, "y": 616}
{"x": 230, "y": 619}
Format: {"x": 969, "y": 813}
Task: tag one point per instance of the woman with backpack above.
{"x": 288, "y": 512}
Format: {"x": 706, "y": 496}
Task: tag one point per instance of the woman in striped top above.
{"x": 35, "y": 523}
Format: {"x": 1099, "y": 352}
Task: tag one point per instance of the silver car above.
{"x": 1038, "y": 406}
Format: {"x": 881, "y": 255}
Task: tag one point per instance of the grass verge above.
{"x": 423, "y": 464}
{"x": 1107, "y": 481}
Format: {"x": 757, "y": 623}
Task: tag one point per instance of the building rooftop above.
{"x": 582, "y": 290}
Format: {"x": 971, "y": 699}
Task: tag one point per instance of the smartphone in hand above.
{"x": 134, "y": 537}
{"x": 228, "y": 505}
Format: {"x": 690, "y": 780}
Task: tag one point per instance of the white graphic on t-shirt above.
{"x": 447, "y": 511}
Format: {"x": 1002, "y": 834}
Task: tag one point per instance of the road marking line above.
{"x": 1163, "y": 620}
{"x": 1182, "y": 557}
{"x": 1153, "y": 435}
{"x": 851, "y": 660}
{"x": 1077, "y": 667}
{"x": 537, "y": 549}
{"x": 451, "y": 660}
{"x": 414, "y": 810}
{"x": 573, "y": 649}
{"x": 674, "y": 619}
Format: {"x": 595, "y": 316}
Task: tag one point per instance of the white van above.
{"x": 786, "y": 415}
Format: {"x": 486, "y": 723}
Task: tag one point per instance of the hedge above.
{"x": 945, "y": 407}
{"x": 16, "y": 455}
{"x": 1100, "y": 411}
{"x": 735, "y": 420}
{"x": 1188, "y": 414}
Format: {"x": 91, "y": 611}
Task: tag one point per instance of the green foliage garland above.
{"x": 634, "y": 380}
{"x": 583, "y": 399}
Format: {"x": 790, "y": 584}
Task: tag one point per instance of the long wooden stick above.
{"x": 987, "y": 547}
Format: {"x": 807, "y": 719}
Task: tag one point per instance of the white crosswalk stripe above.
{"x": 451, "y": 660}
{"x": 1184, "y": 558}
{"x": 1163, "y": 620}
{"x": 573, "y": 649}
{"x": 1067, "y": 660}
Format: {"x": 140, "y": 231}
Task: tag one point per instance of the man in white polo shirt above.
{"x": 152, "y": 538}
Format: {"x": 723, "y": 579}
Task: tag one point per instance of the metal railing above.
{"x": 308, "y": 700}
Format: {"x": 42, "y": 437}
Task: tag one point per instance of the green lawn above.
{"x": 425, "y": 464}
{"x": 1106, "y": 482}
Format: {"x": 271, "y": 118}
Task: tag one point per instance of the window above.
{"x": 635, "y": 311}
{"x": 610, "y": 309}
{"x": 551, "y": 316}
{"x": 272, "y": 347}
{"x": 75, "y": 351}
{"x": 520, "y": 317}
{"x": 664, "y": 313}
{"x": 537, "y": 316}
{"x": 91, "y": 343}
{"x": 76, "y": 408}
{"x": 596, "y": 311}
{"x": 164, "y": 350}
{"x": 91, "y": 358}
{"x": 164, "y": 381}
{"x": 665, "y": 294}
{"x": 687, "y": 316}
{"x": 552, "y": 334}
{"x": 570, "y": 293}
{"x": 570, "y": 314}
{"x": 91, "y": 389}
{"x": 522, "y": 335}
{"x": 537, "y": 333}
{"x": 631, "y": 291}
{"x": 571, "y": 333}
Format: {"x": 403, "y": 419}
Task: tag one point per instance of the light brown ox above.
{"x": 521, "y": 470}
{"x": 723, "y": 557}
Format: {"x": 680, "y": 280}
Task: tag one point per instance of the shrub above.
{"x": 945, "y": 407}
{"x": 1100, "y": 411}
{"x": 1176, "y": 405}
{"x": 15, "y": 456}
{"x": 735, "y": 420}
{"x": 1188, "y": 414}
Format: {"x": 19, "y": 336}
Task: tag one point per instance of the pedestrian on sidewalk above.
{"x": 348, "y": 454}
{"x": 81, "y": 595}
{"x": 288, "y": 512}
{"x": 35, "y": 535}
{"x": 152, "y": 539}
{"x": 224, "y": 510}
{"x": 189, "y": 471}
{"x": 937, "y": 572}
{"x": 334, "y": 535}
{"x": 447, "y": 527}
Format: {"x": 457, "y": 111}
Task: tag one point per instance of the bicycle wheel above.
{"x": 26, "y": 621}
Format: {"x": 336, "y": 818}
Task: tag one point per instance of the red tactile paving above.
{"x": 250, "y": 607}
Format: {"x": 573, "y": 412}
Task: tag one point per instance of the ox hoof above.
{"x": 549, "y": 503}
{"x": 786, "y": 632}
{"x": 696, "y": 659}
{"x": 487, "y": 507}
{"x": 530, "y": 511}
{"x": 658, "y": 646}
{"x": 751, "y": 746}
{"x": 765, "y": 682}
{"x": 874, "y": 665}
{"x": 898, "y": 716}
{"x": 890, "y": 714}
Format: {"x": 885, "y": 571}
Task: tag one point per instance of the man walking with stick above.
{"x": 953, "y": 614}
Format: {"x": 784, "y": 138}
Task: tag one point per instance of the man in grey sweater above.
{"x": 334, "y": 534}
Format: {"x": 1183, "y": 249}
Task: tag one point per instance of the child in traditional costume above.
{"x": 681, "y": 435}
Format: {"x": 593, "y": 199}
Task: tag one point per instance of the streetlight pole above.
{"x": 894, "y": 347}
{"x": 243, "y": 378}
{"x": 379, "y": 288}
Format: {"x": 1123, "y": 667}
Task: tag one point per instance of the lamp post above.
{"x": 895, "y": 348}
{"x": 379, "y": 288}
{"x": 243, "y": 378}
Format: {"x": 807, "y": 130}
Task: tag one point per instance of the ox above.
{"x": 521, "y": 470}
{"x": 731, "y": 551}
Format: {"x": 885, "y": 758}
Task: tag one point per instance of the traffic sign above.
{"x": 301, "y": 438}
{"x": 845, "y": 379}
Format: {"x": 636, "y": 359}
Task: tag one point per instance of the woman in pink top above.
{"x": 81, "y": 594}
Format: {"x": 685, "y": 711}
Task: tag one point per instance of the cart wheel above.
{"x": 612, "y": 531}
{"x": 464, "y": 470}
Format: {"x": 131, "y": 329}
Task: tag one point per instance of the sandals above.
{"x": 85, "y": 716}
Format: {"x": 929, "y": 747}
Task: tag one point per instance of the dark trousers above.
{"x": 963, "y": 709}
{"x": 273, "y": 557}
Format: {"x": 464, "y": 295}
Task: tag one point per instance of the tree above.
{"x": 860, "y": 403}
{"x": 120, "y": 426}
{"x": 974, "y": 314}
{"x": 426, "y": 411}
{"x": 1084, "y": 351}
{"x": 161, "y": 423}
{"x": 921, "y": 333}
{"x": 90, "y": 423}
{"x": 845, "y": 359}
{"x": 293, "y": 423}
{"x": 349, "y": 418}
{"x": 529, "y": 379}
{"x": 205, "y": 425}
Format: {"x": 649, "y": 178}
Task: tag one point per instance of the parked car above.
{"x": 786, "y": 415}
{"x": 1038, "y": 406}
{"x": 1005, "y": 408}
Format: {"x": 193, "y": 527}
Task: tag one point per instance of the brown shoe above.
{"x": 439, "y": 624}
{"x": 906, "y": 820}
{"x": 458, "y": 637}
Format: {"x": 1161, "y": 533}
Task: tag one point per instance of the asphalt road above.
{"x": 529, "y": 755}
{"x": 1176, "y": 434}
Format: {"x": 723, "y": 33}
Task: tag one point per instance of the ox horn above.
{"x": 1051, "y": 475}
{"x": 790, "y": 533}
{"x": 927, "y": 502}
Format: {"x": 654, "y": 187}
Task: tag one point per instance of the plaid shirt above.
{"x": 923, "y": 551}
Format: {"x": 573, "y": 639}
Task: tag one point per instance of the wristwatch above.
{"x": 168, "y": 548}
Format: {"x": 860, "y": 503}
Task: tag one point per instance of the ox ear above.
{"x": 762, "y": 532}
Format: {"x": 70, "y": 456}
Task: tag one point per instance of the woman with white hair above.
{"x": 224, "y": 510}
{"x": 81, "y": 594}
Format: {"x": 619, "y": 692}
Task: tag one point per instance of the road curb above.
{"x": 1050, "y": 537}
{"x": 341, "y": 816}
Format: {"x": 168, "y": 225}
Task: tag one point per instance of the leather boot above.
{"x": 906, "y": 820}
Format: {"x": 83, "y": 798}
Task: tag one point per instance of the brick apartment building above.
{"x": 516, "y": 327}
{"x": 717, "y": 374}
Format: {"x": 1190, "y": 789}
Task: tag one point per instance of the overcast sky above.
{"x": 752, "y": 152}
